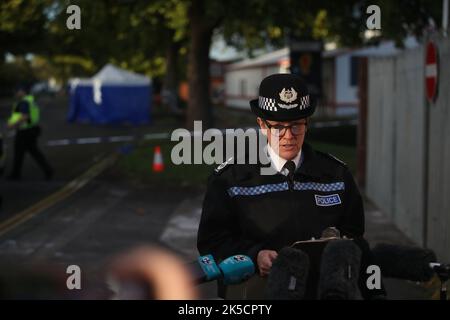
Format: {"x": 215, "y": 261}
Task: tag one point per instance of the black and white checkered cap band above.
{"x": 267, "y": 104}
{"x": 304, "y": 102}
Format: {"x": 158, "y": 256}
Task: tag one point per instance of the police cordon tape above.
{"x": 165, "y": 135}
{"x": 97, "y": 140}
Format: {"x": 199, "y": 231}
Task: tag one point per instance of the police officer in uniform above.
{"x": 246, "y": 212}
{"x": 25, "y": 119}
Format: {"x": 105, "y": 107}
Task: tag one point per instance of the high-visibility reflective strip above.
{"x": 253, "y": 191}
{"x": 325, "y": 187}
{"x": 276, "y": 187}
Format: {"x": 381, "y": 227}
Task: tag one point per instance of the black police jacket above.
{"x": 245, "y": 212}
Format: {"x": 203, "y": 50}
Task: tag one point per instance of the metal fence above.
{"x": 408, "y": 146}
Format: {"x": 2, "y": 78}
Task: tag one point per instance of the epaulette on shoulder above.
{"x": 221, "y": 168}
{"x": 330, "y": 156}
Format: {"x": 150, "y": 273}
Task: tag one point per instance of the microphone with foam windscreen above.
{"x": 236, "y": 269}
{"x": 288, "y": 275}
{"x": 404, "y": 262}
{"x": 204, "y": 269}
{"x": 232, "y": 270}
{"x": 339, "y": 271}
{"x": 411, "y": 263}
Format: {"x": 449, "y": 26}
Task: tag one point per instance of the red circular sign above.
{"x": 431, "y": 72}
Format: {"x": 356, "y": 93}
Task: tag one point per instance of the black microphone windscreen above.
{"x": 288, "y": 275}
{"x": 339, "y": 271}
{"x": 404, "y": 262}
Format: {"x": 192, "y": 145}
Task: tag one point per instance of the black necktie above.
{"x": 290, "y": 167}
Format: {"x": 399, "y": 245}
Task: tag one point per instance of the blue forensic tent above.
{"x": 112, "y": 96}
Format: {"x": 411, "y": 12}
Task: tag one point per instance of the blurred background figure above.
{"x": 25, "y": 120}
{"x": 141, "y": 273}
{"x": 151, "y": 273}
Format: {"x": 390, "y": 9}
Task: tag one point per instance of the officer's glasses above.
{"x": 279, "y": 130}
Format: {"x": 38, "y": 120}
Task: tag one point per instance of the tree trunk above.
{"x": 170, "y": 83}
{"x": 199, "y": 104}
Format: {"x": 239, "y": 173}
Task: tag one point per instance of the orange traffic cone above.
{"x": 158, "y": 164}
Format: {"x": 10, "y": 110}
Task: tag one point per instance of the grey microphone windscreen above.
{"x": 339, "y": 271}
{"x": 288, "y": 275}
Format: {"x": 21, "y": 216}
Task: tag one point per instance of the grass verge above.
{"x": 136, "y": 164}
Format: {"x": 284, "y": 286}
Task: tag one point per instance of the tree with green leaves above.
{"x": 251, "y": 24}
{"x": 148, "y": 36}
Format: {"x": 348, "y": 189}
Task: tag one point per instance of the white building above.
{"x": 339, "y": 76}
{"x": 242, "y": 78}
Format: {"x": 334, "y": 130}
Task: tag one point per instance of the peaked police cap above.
{"x": 283, "y": 97}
